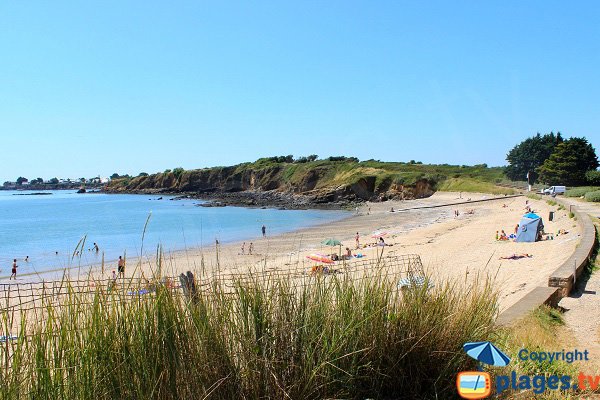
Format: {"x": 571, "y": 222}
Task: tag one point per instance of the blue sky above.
{"x": 122, "y": 86}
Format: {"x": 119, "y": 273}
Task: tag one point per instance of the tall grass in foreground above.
{"x": 263, "y": 337}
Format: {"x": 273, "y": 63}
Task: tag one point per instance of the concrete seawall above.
{"x": 566, "y": 275}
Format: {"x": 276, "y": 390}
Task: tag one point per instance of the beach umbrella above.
{"x": 320, "y": 258}
{"x": 486, "y": 353}
{"x": 331, "y": 242}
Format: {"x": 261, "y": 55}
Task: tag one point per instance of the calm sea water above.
{"x": 41, "y": 226}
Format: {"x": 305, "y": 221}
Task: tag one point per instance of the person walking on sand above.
{"x": 264, "y": 230}
{"x": 357, "y": 240}
{"x": 250, "y": 248}
{"x": 14, "y": 270}
{"x": 121, "y": 267}
{"x": 516, "y": 229}
{"x": 244, "y": 248}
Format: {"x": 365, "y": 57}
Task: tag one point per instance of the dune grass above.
{"x": 267, "y": 337}
{"x": 472, "y": 185}
{"x": 580, "y": 191}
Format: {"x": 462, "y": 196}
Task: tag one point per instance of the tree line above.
{"x": 553, "y": 160}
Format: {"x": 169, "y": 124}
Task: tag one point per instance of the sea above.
{"x": 58, "y": 230}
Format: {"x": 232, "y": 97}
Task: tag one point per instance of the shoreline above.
{"x": 455, "y": 248}
{"x": 95, "y": 266}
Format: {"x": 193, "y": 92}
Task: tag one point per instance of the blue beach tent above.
{"x": 530, "y": 228}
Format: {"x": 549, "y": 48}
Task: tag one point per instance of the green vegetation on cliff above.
{"x": 336, "y": 177}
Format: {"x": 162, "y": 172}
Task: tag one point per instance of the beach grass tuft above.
{"x": 260, "y": 336}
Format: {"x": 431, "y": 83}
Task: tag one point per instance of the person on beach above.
{"x": 264, "y": 230}
{"x": 516, "y": 229}
{"x": 381, "y": 241}
{"x": 516, "y": 256}
{"x": 357, "y": 240}
{"x": 96, "y": 248}
{"x": 243, "y": 248}
{"x": 27, "y": 259}
{"x": 121, "y": 267}
{"x": 250, "y": 248}
{"x": 14, "y": 270}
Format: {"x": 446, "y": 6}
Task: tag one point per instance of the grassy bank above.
{"x": 262, "y": 337}
{"x": 589, "y": 193}
{"x": 472, "y": 185}
{"x": 365, "y": 179}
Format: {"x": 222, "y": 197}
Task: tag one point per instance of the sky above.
{"x": 93, "y": 88}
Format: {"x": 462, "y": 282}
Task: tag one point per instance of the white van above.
{"x": 554, "y": 190}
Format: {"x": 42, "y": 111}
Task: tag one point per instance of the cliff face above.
{"x": 318, "y": 184}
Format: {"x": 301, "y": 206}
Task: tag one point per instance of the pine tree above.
{"x": 569, "y": 163}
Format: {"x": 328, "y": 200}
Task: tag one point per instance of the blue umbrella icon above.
{"x": 486, "y": 353}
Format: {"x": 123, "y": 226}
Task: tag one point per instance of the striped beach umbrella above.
{"x": 416, "y": 281}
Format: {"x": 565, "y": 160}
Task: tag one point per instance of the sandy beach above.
{"x": 453, "y": 247}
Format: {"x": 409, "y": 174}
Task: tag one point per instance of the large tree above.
{"x": 569, "y": 163}
{"x": 529, "y": 155}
